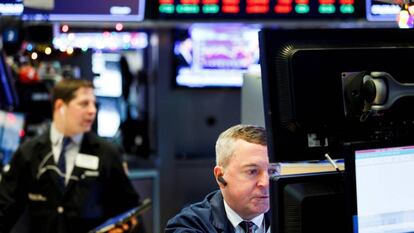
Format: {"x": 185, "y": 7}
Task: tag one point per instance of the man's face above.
{"x": 247, "y": 189}
{"x": 80, "y": 112}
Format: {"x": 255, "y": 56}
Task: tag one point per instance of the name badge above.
{"x": 36, "y": 197}
{"x": 87, "y": 161}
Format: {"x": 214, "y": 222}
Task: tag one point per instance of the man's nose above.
{"x": 92, "y": 108}
{"x": 264, "y": 180}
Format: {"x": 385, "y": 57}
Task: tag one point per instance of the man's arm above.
{"x": 120, "y": 195}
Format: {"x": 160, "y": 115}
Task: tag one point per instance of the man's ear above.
{"x": 218, "y": 174}
{"x": 59, "y": 106}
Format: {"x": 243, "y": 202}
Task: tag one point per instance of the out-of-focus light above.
{"x": 48, "y": 50}
{"x": 71, "y": 36}
{"x": 22, "y": 133}
{"x": 69, "y": 51}
{"x": 403, "y": 18}
{"x": 119, "y": 27}
{"x": 65, "y": 28}
{"x": 411, "y": 9}
{"x": 34, "y": 56}
{"x": 106, "y": 34}
{"x": 29, "y": 47}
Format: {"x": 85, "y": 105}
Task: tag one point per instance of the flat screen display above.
{"x": 260, "y": 9}
{"x": 107, "y": 40}
{"x": 380, "y": 11}
{"x": 11, "y": 125}
{"x": 384, "y": 194}
{"x": 108, "y": 79}
{"x": 11, "y": 7}
{"x": 91, "y": 10}
{"x": 108, "y": 117}
{"x": 214, "y": 56}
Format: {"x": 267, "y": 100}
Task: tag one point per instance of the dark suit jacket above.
{"x": 84, "y": 204}
{"x": 208, "y": 216}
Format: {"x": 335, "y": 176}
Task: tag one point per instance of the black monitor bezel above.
{"x": 334, "y": 179}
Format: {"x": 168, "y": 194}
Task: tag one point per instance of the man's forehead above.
{"x": 84, "y": 92}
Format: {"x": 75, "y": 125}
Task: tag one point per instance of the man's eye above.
{"x": 271, "y": 171}
{"x": 252, "y": 171}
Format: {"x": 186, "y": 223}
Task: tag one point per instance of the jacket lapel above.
{"x": 90, "y": 146}
{"x": 220, "y": 220}
{"x": 43, "y": 152}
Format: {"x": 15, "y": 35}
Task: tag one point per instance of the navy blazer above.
{"x": 208, "y": 216}
{"x": 84, "y": 204}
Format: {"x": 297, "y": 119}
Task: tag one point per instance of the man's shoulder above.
{"x": 30, "y": 143}
{"x": 204, "y": 205}
{"x": 91, "y": 139}
{"x": 197, "y": 215}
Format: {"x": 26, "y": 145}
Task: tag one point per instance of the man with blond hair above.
{"x": 242, "y": 172}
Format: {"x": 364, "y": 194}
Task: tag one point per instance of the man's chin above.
{"x": 85, "y": 129}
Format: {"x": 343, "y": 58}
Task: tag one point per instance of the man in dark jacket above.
{"x": 242, "y": 172}
{"x": 69, "y": 179}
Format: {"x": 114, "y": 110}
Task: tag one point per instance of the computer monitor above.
{"x": 11, "y": 126}
{"x": 380, "y": 190}
{"x": 310, "y": 107}
{"x": 308, "y": 203}
{"x": 8, "y": 95}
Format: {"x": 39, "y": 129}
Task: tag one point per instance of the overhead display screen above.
{"x": 11, "y": 7}
{"x": 90, "y": 10}
{"x": 381, "y": 11}
{"x": 260, "y": 9}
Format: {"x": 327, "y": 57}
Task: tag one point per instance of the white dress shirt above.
{"x": 235, "y": 220}
{"x": 71, "y": 152}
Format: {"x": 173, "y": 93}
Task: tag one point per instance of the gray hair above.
{"x": 225, "y": 144}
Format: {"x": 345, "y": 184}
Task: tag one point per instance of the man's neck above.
{"x": 235, "y": 218}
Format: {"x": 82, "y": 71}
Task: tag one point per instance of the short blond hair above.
{"x": 225, "y": 144}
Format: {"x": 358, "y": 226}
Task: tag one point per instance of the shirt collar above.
{"x": 56, "y": 137}
{"x": 235, "y": 219}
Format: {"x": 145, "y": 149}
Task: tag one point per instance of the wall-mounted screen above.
{"x": 381, "y": 11}
{"x": 91, "y": 10}
{"x": 214, "y": 56}
{"x": 11, "y": 7}
{"x": 108, "y": 40}
{"x": 260, "y": 9}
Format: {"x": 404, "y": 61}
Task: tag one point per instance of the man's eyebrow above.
{"x": 250, "y": 165}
